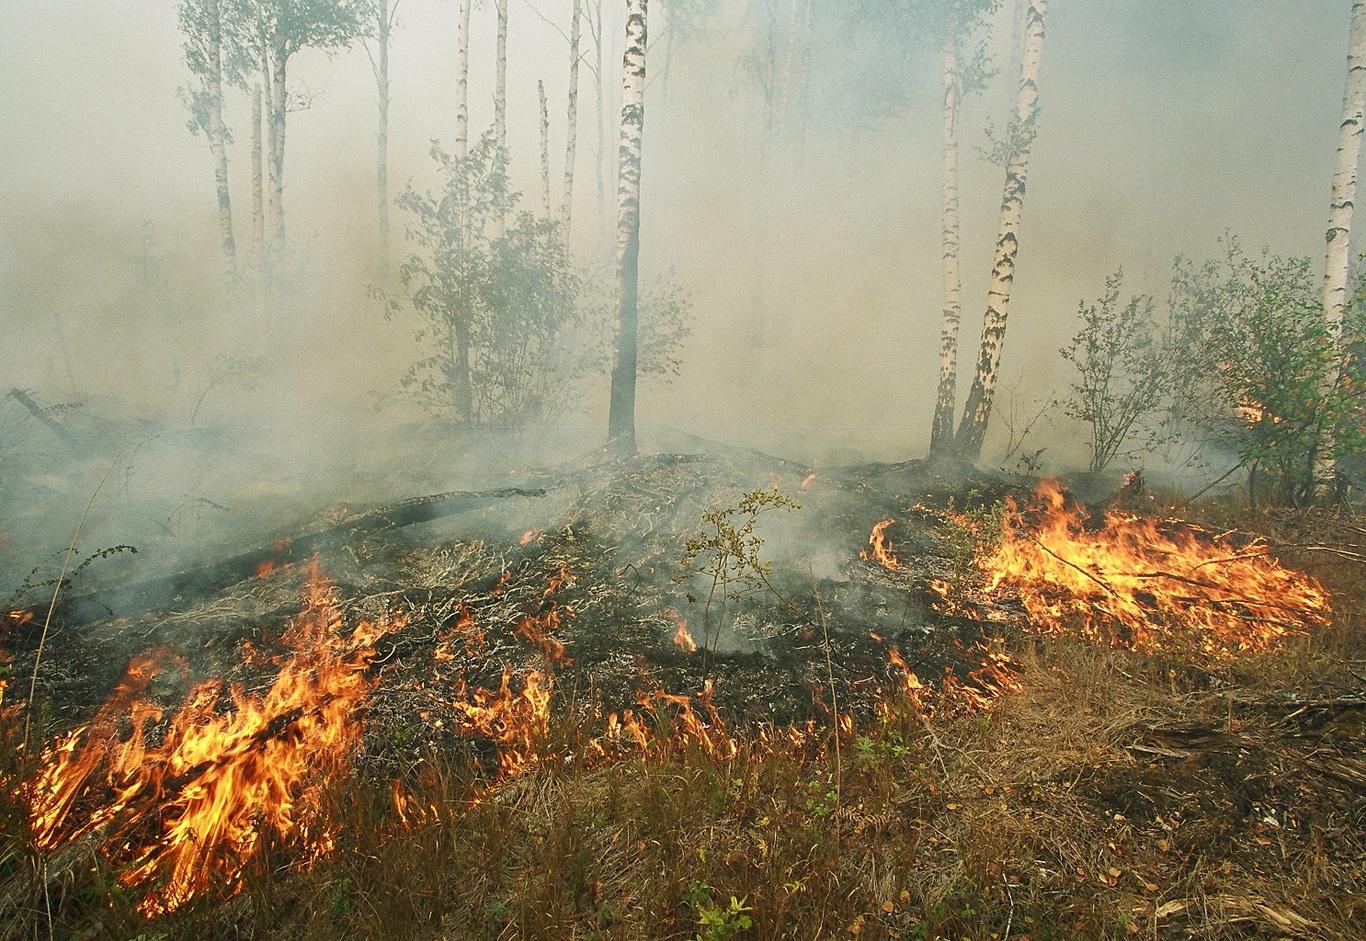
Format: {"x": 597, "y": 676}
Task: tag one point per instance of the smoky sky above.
{"x": 815, "y": 276}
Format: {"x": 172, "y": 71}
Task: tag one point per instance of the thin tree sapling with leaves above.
{"x": 1121, "y": 372}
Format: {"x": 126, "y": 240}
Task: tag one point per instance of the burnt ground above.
{"x": 617, "y": 530}
{"x": 1112, "y": 795}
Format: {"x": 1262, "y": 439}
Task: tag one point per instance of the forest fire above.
{"x": 187, "y": 814}
{"x": 516, "y": 722}
{"x": 683, "y": 638}
{"x": 880, "y": 547}
{"x": 1148, "y": 585}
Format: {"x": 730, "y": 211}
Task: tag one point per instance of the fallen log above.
{"x": 170, "y": 591}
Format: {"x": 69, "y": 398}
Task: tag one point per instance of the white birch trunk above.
{"x": 941, "y": 432}
{"x": 216, "y": 134}
{"x": 258, "y": 215}
{"x": 1337, "y": 273}
{"x": 545, "y": 149}
{"x": 462, "y": 75}
{"x": 1337, "y": 265}
{"x": 268, "y": 99}
{"x": 277, "y": 143}
{"x": 571, "y": 121}
{"x": 382, "y": 136}
{"x": 602, "y": 124}
{"x": 972, "y": 430}
{"x": 621, "y": 422}
{"x": 500, "y": 78}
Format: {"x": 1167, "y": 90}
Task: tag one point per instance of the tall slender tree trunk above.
{"x": 216, "y": 135}
{"x": 598, "y": 39}
{"x": 277, "y": 143}
{"x": 500, "y": 78}
{"x": 973, "y": 428}
{"x": 258, "y": 215}
{"x": 1337, "y": 266}
{"x": 621, "y": 422}
{"x": 382, "y": 136}
{"x": 462, "y": 80}
{"x": 571, "y": 121}
{"x": 268, "y": 92}
{"x": 941, "y": 432}
{"x": 545, "y": 148}
{"x": 1341, "y": 205}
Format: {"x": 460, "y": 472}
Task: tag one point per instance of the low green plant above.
{"x": 714, "y": 921}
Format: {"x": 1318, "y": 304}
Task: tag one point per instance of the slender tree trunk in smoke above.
{"x": 277, "y": 143}
{"x": 268, "y": 93}
{"x": 1017, "y": 21}
{"x": 216, "y": 134}
{"x": 500, "y": 77}
{"x": 941, "y": 432}
{"x": 258, "y": 215}
{"x": 571, "y": 121}
{"x": 462, "y": 76}
{"x": 973, "y": 428}
{"x": 1342, "y": 202}
{"x": 602, "y": 123}
{"x": 545, "y": 149}
{"x": 1337, "y": 266}
{"x": 621, "y": 422}
{"x": 382, "y": 134}
{"x": 464, "y": 399}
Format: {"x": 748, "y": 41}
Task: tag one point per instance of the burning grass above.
{"x": 1172, "y": 781}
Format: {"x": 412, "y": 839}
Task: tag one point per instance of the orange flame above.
{"x": 536, "y": 630}
{"x": 528, "y": 536}
{"x": 516, "y": 722}
{"x": 880, "y": 547}
{"x": 683, "y": 638}
{"x": 187, "y": 815}
{"x": 1149, "y": 585}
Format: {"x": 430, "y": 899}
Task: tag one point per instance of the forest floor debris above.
{"x": 974, "y": 779}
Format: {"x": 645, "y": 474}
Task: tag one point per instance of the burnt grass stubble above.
{"x": 1115, "y": 795}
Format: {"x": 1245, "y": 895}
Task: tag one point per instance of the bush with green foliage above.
{"x": 495, "y": 291}
{"x": 1122, "y": 373}
{"x": 1258, "y": 370}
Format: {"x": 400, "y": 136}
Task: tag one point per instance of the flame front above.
{"x": 188, "y": 814}
{"x": 1149, "y": 585}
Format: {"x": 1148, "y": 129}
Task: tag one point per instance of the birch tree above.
{"x": 972, "y": 429}
{"x": 621, "y": 422}
{"x": 1337, "y": 265}
{"x": 1342, "y": 201}
{"x": 258, "y": 214}
{"x": 500, "y": 78}
{"x": 385, "y": 12}
{"x": 201, "y": 22}
{"x": 959, "y": 77}
{"x": 282, "y": 28}
{"x": 571, "y": 120}
{"x": 545, "y": 148}
{"x": 462, "y": 79}
{"x": 941, "y": 431}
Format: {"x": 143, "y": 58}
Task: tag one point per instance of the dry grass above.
{"x": 1114, "y": 796}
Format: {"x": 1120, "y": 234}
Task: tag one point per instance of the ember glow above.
{"x": 187, "y": 815}
{"x": 1146, "y": 584}
{"x": 880, "y": 547}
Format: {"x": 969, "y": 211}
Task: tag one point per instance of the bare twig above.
{"x": 56, "y": 590}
